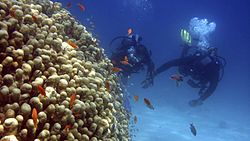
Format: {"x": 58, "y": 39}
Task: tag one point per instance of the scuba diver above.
{"x": 131, "y": 56}
{"x": 203, "y": 66}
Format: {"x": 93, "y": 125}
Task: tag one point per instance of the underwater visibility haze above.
{"x": 170, "y": 107}
{"x": 225, "y": 115}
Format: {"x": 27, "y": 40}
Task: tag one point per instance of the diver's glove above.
{"x": 194, "y": 103}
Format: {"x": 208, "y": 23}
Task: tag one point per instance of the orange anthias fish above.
{"x": 130, "y": 30}
{"x": 136, "y": 98}
{"x": 107, "y": 85}
{"x": 34, "y": 18}
{"x": 81, "y": 6}
{"x": 72, "y": 44}
{"x": 72, "y": 100}
{"x": 125, "y": 61}
{"x": 135, "y": 119}
{"x": 41, "y": 90}
{"x": 177, "y": 77}
{"x": 68, "y": 5}
{"x": 115, "y": 69}
{"x": 12, "y": 13}
{"x": 67, "y": 127}
{"x": 34, "y": 117}
{"x": 148, "y": 104}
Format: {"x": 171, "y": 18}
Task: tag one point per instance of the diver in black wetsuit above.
{"x": 137, "y": 54}
{"x": 204, "y": 67}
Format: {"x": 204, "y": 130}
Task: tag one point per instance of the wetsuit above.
{"x": 138, "y": 57}
{"x": 203, "y": 69}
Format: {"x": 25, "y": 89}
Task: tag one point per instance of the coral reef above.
{"x": 50, "y": 90}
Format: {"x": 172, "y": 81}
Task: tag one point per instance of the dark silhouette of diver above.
{"x": 137, "y": 54}
{"x": 204, "y": 67}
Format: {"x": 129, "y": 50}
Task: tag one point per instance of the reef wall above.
{"x": 56, "y": 82}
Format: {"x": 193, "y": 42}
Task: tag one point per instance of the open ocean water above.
{"x": 225, "y": 116}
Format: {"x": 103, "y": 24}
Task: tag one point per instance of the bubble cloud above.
{"x": 201, "y": 29}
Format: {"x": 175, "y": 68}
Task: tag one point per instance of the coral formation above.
{"x": 50, "y": 90}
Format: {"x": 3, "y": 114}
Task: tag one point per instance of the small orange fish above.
{"x": 12, "y": 13}
{"x": 130, "y": 31}
{"x": 136, "y": 98}
{"x": 41, "y": 90}
{"x": 68, "y": 5}
{"x": 135, "y": 119}
{"x": 72, "y": 44}
{"x": 34, "y": 18}
{"x": 115, "y": 69}
{"x": 107, "y": 85}
{"x": 125, "y": 61}
{"x": 176, "y": 77}
{"x": 34, "y": 117}
{"x": 67, "y": 127}
{"x": 81, "y": 6}
{"x": 72, "y": 100}
{"x": 148, "y": 104}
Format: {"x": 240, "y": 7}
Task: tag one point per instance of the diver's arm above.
{"x": 173, "y": 63}
{"x": 150, "y": 79}
{"x": 167, "y": 65}
{"x": 213, "y": 82}
{"x": 150, "y": 68}
{"x": 148, "y": 61}
{"x": 212, "y": 77}
{"x": 203, "y": 96}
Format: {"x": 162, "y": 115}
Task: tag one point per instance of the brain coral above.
{"x": 53, "y": 76}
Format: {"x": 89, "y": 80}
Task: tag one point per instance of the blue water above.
{"x": 225, "y": 116}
